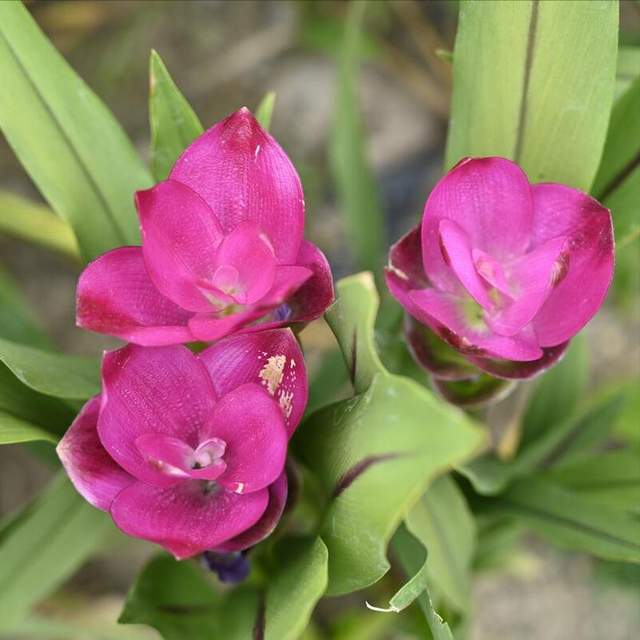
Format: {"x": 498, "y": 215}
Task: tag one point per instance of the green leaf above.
{"x": 610, "y": 478}
{"x": 17, "y": 321}
{"x": 356, "y": 186}
{"x": 35, "y": 223}
{"x": 375, "y": 454}
{"x": 50, "y": 373}
{"x": 65, "y": 137}
{"x": 15, "y": 430}
{"x": 557, "y": 394}
{"x": 627, "y": 68}
{"x": 174, "y": 124}
{"x": 442, "y": 521}
{"x": 180, "y": 601}
{"x": 569, "y": 519}
{"x": 22, "y": 403}
{"x": 265, "y": 110}
{"x": 41, "y": 550}
{"x": 413, "y": 558}
{"x": 525, "y": 87}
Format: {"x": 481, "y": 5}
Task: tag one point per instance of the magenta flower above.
{"x": 189, "y": 451}
{"x": 222, "y": 248}
{"x": 503, "y": 271}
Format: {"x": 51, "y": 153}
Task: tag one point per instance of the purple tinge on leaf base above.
{"x": 222, "y": 248}
{"x": 189, "y": 451}
{"x": 504, "y": 272}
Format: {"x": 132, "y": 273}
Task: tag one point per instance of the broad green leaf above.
{"x": 174, "y": 124}
{"x": 14, "y": 430}
{"x": 52, "y": 374}
{"x": 356, "y": 186}
{"x": 572, "y": 520}
{"x": 66, "y": 139}
{"x": 22, "y": 403}
{"x": 35, "y": 223}
{"x": 442, "y": 521}
{"x": 413, "y": 558}
{"x": 45, "y": 547}
{"x": 557, "y": 393}
{"x": 610, "y": 478}
{"x": 525, "y": 87}
{"x": 180, "y": 600}
{"x": 17, "y": 321}
{"x": 375, "y": 454}
{"x": 265, "y": 110}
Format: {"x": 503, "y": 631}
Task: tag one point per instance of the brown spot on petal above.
{"x": 560, "y": 269}
{"x": 460, "y": 343}
{"x": 444, "y": 252}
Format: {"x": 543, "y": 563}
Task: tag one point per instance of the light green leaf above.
{"x": 179, "y": 599}
{"x": 627, "y": 68}
{"x": 50, "y": 373}
{"x": 442, "y": 521}
{"x": 15, "y": 430}
{"x": 65, "y": 137}
{"x": 356, "y": 186}
{"x": 17, "y": 321}
{"x": 42, "y": 549}
{"x": 611, "y": 478}
{"x": 572, "y": 520}
{"x": 413, "y": 558}
{"x": 375, "y": 454}
{"x": 525, "y": 87}
{"x": 265, "y": 110}
{"x": 174, "y": 124}
{"x": 35, "y": 223}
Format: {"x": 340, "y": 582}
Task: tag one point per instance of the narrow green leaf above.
{"x": 442, "y": 521}
{"x": 265, "y": 110}
{"x": 627, "y": 68}
{"x": 525, "y": 88}
{"x": 45, "y": 547}
{"x": 625, "y": 209}
{"x": 413, "y": 558}
{"x": 174, "y": 124}
{"x": 65, "y": 137}
{"x": 352, "y": 319}
{"x": 15, "y": 430}
{"x": 34, "y": 223}
{"x": 610, "y": 478}
{"x": 17, "y": 321}
{"x": 557, "y": 393}
{"x": 180, "y": 601}
{"x": 50, "y": 373}
{"x": 356, "y": 186}
{"x": 571, "y": 520}
{"x": 375, "y": 454}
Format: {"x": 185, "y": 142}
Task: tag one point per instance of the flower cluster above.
{"x": 504, "y": 272}
{"x": 187, "y": 450}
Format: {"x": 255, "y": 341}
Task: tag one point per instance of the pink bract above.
{"x": 189, "y": 451}
{"x": 504, "y": 272}
{"x": 222, "y": 248}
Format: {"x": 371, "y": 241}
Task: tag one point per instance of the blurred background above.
{"x": 225, "y": 54}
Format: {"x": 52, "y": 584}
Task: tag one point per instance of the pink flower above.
{"x": 222, "y": 248}
{"x": 189, "y": 451}
{"x": 503, "y": 271}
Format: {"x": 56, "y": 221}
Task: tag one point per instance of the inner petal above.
{"x": 491, "y": 271}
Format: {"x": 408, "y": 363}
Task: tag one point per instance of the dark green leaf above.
{"x": 15, "y": 430}
{"x": 180, "y": 600}
{"x": 572, "y": 520}
{"x": 525, "y": 87}
{"x": 357, "y": 190}
{"x": 50, "y": 373}
{"x": 45, "y": 547}
{"x": 174, "y": 124}
{"x": 67, "y": 140}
